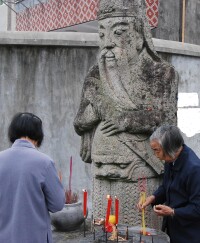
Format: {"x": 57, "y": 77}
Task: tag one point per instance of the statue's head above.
{"x": 123, "y": 30}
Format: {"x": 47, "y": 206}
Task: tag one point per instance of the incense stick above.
{"x": 142, "y": 183}
{"x": 143, "y": 198}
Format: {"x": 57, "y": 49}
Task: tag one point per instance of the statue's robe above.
{"x": 148, "y": 100}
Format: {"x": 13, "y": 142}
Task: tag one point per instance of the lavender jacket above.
{"x": 29, "y": 189}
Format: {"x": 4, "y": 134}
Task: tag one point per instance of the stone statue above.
{"x": 124, "y": 98}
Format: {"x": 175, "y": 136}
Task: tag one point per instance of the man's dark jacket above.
{"x": 181, "y": 190}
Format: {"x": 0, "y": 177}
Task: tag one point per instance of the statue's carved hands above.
{"x": 111, "y": 127}
{"x": 141, "y": 121}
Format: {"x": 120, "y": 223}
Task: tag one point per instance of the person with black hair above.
{"x": 178, "y": 198}
{"x": 30, "y": 187}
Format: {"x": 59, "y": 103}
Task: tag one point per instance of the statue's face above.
{"x": 118, "y": 40}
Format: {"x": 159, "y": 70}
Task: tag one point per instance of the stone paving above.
{"x": 76, "y": 236}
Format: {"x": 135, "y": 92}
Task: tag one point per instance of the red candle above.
{"x": 116, "y": 210}
{"x": 108, "y": 209}
{"x": 84, "y": 203}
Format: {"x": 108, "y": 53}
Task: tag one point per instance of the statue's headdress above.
{"x": 119, "y": 8}
{"x": 129, "y": 8}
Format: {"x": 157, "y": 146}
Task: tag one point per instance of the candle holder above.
{"x": 110, "y": 225}
{"x": 124, "y": 234}
{"x": 146, "y": 238}
{"x": 84, "y": 228}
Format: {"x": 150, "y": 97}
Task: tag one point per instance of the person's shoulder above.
{"x": 188, "y": 149}
{"x": 192, "y": 156}
{"x": 4, "y": 152}
{"x": 45, "y": 158}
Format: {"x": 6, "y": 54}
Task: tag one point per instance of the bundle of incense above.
{"x": 142, "y": 183}
{"x": 143, "y": 198}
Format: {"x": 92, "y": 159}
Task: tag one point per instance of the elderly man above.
{"x": 180, "y": 190}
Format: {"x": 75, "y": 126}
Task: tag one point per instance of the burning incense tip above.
{"x": 145, "y": 233}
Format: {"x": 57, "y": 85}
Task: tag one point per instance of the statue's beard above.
{"x": 115, "y": 75}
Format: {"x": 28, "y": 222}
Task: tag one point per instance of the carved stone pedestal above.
{"x": 128, "y": 194}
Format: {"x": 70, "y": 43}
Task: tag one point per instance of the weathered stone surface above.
{"x": 125, "y": 97}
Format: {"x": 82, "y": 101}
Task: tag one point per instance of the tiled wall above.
{"x": 56, "y": 14}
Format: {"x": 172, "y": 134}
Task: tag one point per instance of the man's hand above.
{"x": 149, "y": 200}
{"x": 163, "y": 210}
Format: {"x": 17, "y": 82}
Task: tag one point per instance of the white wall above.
{"x": 188, "y": 68}
{"x": 3, "y": 17}
{"x": 7, "y": 18}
